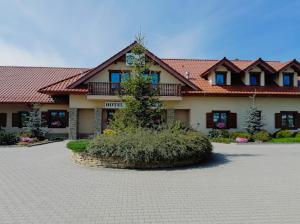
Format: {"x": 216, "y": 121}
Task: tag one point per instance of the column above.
{"x": 98, "y": 121}
{"x": 73, "y": 123}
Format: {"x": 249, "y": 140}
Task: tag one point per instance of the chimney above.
{"x": 187, "y": 75}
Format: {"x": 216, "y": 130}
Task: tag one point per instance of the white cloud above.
{"x": 13, "y": 55}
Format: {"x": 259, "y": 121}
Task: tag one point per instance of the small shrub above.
{"x": 78, "y": 145}
{"x": 109, "y": 132}
{"x": 145, "y": 146}
{"x": 221, "y": 140}
{"x": 7, "y": 138}
{"x": 218, "y": 133}
{"x": 297, "y": 135}
{"x": 240, "y": 134}
{"x": 262, "y": 136}
{"x": 284, "y": 134}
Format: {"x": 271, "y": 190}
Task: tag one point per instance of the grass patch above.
{"x": 285, "y": 140}
{"x": 78, "y": 145}
{"x": 221, "y": 140}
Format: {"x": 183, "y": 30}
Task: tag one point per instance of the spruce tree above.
{"x": 253, "y": 118}
{"x": 141, "y": 101}
{"x": 33, "y": 124}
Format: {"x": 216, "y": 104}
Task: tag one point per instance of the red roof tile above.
{"x": 37, "y": 84}
{"x": 21, "y": 84}
{"x": 197, "y": 67}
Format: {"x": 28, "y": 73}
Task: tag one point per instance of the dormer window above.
{"x": 288, "y": 79}
{"x": 221, "y": 78}
{"x": 255, "y": 79}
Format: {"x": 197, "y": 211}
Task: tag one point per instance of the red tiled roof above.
{"x": 38, "y": 84}
{"x": 21, "y": 84}
{"x": 197, "y": 67}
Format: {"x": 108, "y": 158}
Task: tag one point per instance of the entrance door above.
{"x": 107, "y": 117}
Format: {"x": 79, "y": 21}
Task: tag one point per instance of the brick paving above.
{"x": 242, "y": 184}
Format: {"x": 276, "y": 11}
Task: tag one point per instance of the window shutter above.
{"x": 278, "y": 120}
{"x": 15, "y": 120}
{"x": 44, "y": 118}
{"x": 209, "y": 120}
{"x": 232, "y": 123}
{"x": 3, "y": 119}
{"x": 67, "y": 119}
{"x": 298, "y": 120}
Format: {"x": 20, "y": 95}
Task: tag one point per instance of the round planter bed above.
{"x": 92, "y": 161}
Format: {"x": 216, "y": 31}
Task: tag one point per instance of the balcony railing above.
{"x": 106, "y": 88}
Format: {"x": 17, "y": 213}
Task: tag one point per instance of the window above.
{"x": 3, "y": 119}
{"x": 220, "y": 119}
{"x": 110, "y": 116}
{"x": 58, "y": 119}
{"x": 116, "y": 77}
{"x": 220, "y": 78}
{"x": 154, "y": 78}
{"x": 255, "y": 79}
{"x": 288, "y": 120}
{"x": 288, "y": 79}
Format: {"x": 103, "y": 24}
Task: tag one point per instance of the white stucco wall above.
{"x": 9, "y": 109}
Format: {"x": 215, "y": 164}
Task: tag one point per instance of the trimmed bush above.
{"x": 146, "y": 147}
{"x": 221, "y": 140}
{"x": 78, "y": 145}
{"x": 297, "y": 135}
{"x": 283, "y": 134}
{"x": 7, "y": 138}
{"x": 240, "y": 134}
{"x": 218, "y": 133}
{"x": 262, "y": 136}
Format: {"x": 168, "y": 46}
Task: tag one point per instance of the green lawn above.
{"x": 284, "y": 140}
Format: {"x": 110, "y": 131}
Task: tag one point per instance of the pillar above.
{"x": 73, "y": 123}
{"x": 98, "y": 121}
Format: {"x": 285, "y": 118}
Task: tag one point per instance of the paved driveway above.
{"x": 243, "y": 184}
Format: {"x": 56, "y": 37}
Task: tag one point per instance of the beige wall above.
{"x": 14, "y": 108}
{"x": 86, "y": 121}
{"x": 199, "y": 106}
{"x": 103, "y": 76}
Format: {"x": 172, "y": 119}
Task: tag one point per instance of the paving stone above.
{"x": 242, "y": 184}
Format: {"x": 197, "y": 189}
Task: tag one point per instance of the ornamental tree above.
{"x": 253, "y": 118}
{"x": 33, "y": 124}
{"x": 137, "y": 93}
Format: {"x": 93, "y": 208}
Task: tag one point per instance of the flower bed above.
{"x": 145, "y": 149}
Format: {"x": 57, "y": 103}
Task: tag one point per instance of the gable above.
{"x": 120, "y": 65}
{"x": 120, "y": 55}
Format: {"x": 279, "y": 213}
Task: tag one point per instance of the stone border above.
{"x": 91, "y": 161}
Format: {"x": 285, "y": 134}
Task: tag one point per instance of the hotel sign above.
{"x": 131, "y": 57}
{"x": 114, "y": 105}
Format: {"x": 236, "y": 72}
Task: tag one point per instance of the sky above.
{"x": 84, "y": 33}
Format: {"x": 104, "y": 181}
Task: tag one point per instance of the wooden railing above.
{"x": 106, "y": 88}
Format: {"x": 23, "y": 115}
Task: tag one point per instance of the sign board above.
{"x": 114, "y": 105}
{"x": 131, "y": 57}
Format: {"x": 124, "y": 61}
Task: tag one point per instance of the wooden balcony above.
{"x": 114, "y": 89}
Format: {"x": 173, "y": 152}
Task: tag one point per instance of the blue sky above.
{"x": 84, "y": 33}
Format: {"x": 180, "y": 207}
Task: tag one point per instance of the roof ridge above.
{"x": 23, "y": 66}
{"x": 204, "y": 59}
{"x": 191, "y": 59}
{"x": 62, "y": 80}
